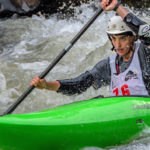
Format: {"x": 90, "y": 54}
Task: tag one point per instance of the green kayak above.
{"x": 98, "y": 122}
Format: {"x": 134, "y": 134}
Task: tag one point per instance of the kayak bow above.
{"x": 99, "y": 122}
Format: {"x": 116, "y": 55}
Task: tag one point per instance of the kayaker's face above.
{"x": 122, "y": 44}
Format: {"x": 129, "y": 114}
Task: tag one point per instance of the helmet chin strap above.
{"x": 113, "y": 48}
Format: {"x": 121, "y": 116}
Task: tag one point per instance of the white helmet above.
{"x": 116, "y": 25}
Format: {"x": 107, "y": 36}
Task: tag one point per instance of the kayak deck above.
{"x": 99, "y": 122}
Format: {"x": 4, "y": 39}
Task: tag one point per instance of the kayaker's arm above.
{"x": 69, "y": 86}
{"x": 97, "y": 77}
{"x": 101, "y": 73}
{"x": 141, "y": 28}
{"x": 131, "y": 20}
{"x": 76, "y": 85}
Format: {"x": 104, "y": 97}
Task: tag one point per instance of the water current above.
{"x": 28, "y": 46}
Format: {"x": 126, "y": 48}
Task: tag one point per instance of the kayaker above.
{"x": 128, "y": 72}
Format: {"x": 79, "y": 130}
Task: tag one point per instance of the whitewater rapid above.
{"x": 28, "y": 46}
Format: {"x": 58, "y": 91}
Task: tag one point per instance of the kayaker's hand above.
{"x": 108, "y": 7}
{"x": 43, "y": 84}
{"x": 38, "y": 83}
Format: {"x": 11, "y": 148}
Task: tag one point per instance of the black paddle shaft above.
{"x": 54, "y": 62}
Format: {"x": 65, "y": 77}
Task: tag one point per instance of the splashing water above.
{"x": 28, "y": 45}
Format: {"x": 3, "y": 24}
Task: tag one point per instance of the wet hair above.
{"x": 129, "y": 33}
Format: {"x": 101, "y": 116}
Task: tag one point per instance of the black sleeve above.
{"x": 101, "y": 73}
{"x": 140, "y": 27}
{"x": 97, "y": 77}
{"x": 76, "y": 85}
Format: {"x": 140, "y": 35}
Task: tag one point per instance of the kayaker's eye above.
{"x": 123, "y": 38}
